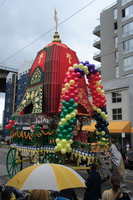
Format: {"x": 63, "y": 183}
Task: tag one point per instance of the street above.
{"x": 79, "y": 191}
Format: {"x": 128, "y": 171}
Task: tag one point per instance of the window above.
{"x": 125, "y": 2}
{"x": 116, "y": 97}
{"x": 128, "y": 63}
{"x": 116, "y": 56}
{"x": 117, "y": 71}
{"x": 115, "y": 13}
{"x": 116, "y": 42}
{"x": 128, "y": 46}
{"x": 127, "y": 29}
{"x": 8, "y": 100}
{"x": 127, "y": 13}
{"x": 19, "y": 86}
{"x": 115, "y": 27}
{"x": 117, "y": 114}
{"x": 7, "y": 110}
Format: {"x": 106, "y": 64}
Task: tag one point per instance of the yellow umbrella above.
{"x": 46, "y": 176}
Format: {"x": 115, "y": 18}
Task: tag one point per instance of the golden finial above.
{"x": 56, "y": 35}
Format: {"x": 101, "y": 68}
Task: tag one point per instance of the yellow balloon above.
{"x": 63, "y": 121}
{"x": 63, "y": 90}
{"x": 70, "y": 141}
{"x": 57, "y": 140}
{"x": 81, "y": 66}
{"x": 98, "y": 83}
{"x": 76, "y": 111}
{"x": 69, "y": 150}
{"x": 71, "y": 82}
{"x": 56, "y": 148}
{"x": 98, "y": 89}
{"x": 67, "y": 85}
{"x": 73, "y": 114}
{"x": 68, "y": 117}
{"x": 75, "y": 65}
{"x": 98, "y": 110}
{"x": 67, "y": 146}
{"x": 102, "y": 92}
{"x": 102, "y": 133}
{"x": 63, "y": 151}
{"x": 63, "y": 142}
{"x": 70, "y": 68}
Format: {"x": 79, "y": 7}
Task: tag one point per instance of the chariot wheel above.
{"x": 13, "y": 162}
{"x": 52, "y": 158}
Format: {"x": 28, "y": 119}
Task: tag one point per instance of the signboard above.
{"x": 122, "y": 135}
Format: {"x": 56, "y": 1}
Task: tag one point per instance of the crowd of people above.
{"x": 93, "y": 182}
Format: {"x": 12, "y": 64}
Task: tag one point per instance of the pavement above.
{"x": 79, "y": 191}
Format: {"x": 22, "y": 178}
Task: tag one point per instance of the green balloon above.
{"x": 67, "y": 125}
{"x": 61, "y": 127}
{"x": 67, "y": 105}
{"x": 63, "y": 102}
{"x": 60, "y": 136}
{"x": 75, "y": 105}
{"x": 71, "y": 101}
{"x": 68, "y": 137}
{"x": 64, "y": 132}
{"x": 69, "y": 130}
{"x": 70, "y": 109}
{"x": 12, "y": 117}
{"x": 65, "y": 112}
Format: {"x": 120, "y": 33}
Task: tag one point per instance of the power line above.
{"x": 47, "y": 32}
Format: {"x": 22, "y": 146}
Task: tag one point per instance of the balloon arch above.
{"x": 70, "y": 103}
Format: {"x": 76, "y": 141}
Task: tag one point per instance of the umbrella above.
{"x": 46, "y": 176}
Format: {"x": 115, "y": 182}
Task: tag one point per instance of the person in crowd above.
{"x": 114, "y": 193}
{"x": 127, "y": 146}
{"x": 39, "y": 195}
{"x": 129, "y": 157}
{"x": 117, "y": 161}
{"x": 93, "y": 184}
{"x": 66, "y": 193}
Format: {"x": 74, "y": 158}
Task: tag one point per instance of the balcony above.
{"x": 97, "y": 56}
{"x": 97, "y": 43}
{"x": 96, "y": 31}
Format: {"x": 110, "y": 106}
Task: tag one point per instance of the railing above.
{"x": 109, "y": 6}
{"x": 97, "y": 28}
{"x": 97, "y": 53}
{"x": 97, "y": 40}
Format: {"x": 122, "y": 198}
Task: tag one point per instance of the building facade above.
{"x": 15, "y": 87}
{"x": 115, "y": 42}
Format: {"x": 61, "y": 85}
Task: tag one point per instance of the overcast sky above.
{"x": 23, "y": 22}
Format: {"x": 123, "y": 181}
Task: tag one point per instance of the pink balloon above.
{"x": 72, "y": 95}
{"x": 66, "y": 98}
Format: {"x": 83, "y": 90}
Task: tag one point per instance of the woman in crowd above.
{"x": 117, "y": 161}
{"x": 114, "y": 193}
{"x": 39, "y": 195}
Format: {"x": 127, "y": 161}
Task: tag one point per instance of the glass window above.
{"x": 116, "y": 56}
{"x": 115, "y": 13}
{"x": 128, "y": 46}
{"x": 116, "y": 42}
{"x": 127, "y": 29}
{"x": 128, "y": 63}
{"x": 125, "y": 2}
{"x": 117, "y": 114}
{"x": 116, "y": 97}
{"x": 127, "y": 13}
{"x": 117, "y": 71}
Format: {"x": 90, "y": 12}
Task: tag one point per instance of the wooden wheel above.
{"x": 52, "y": 158}
{"x": 13, "y": 162}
